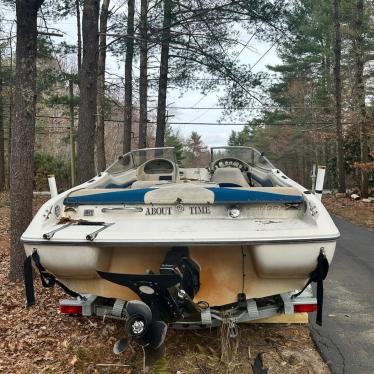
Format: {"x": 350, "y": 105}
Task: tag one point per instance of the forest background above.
{"x": 65, "y": 111}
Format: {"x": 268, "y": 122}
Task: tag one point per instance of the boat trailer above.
{"x": 243, "y": 311}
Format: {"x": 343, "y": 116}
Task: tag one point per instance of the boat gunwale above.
{"x": 171, "y": 243}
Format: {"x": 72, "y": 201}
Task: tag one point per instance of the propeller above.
{"x": 139, "y": 318}
{"x": 163, "y": 296}
{"x": 120, "y": 346}
{"x": 145, "y": 331}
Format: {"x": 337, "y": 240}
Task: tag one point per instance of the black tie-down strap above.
{"x": 318, "y": 275}
{"x": 48, "y": 279}
{"x": 29, "y": 281}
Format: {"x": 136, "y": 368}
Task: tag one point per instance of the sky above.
{"x": 211, "y": 135}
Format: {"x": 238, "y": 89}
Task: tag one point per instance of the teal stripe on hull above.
{"x": 110, "y": 198}
{"x": 235, "y": 195}
{"x": 221, "y": 195}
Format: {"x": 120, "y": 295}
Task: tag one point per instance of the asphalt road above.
{"x": 346, "y": 339}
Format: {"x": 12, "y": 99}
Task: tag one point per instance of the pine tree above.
{"x": 23, "y": 131}
{"x": 88, "y": 92}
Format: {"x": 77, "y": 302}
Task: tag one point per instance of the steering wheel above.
{"x": 230, "y": 162}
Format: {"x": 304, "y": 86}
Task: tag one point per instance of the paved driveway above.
{"x": 346, "y": 339}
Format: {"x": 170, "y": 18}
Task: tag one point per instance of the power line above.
{"x": 291, "y": 123}
{"x": 247, "y": 108}
{"x": 290, "y": 108}
{"x": 50, "y": 39}
{"x": 246, "y": 44}
{"x": 250, "y": 124}
{"x": 236, "y": 57}
{"x": 270, "y": 48}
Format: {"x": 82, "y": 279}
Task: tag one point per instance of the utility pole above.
{"x": 72, "y": 140}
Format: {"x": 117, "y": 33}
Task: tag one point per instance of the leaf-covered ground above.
{"x": 355, "y": 211}
{"x": 40, "y": 340}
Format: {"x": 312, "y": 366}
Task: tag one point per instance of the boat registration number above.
{"x": 168, "y": 210}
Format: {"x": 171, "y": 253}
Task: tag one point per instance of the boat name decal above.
{"x": 167, "y": 211}
{"x": 159, "y": 211}
{"x": 200, "y": 209}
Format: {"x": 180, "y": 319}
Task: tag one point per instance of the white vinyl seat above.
{"x": 229, "y": 176}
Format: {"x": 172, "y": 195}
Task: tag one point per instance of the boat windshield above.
{"x": 134, "y": 159}
{"x": 249, "y": 155}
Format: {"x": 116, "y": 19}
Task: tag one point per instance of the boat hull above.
{"x": 258, "y": 270}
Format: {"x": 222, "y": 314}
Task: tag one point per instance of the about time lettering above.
{"x": 167, "y": 211}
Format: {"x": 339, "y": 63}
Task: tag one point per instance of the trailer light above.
{"x": 71, "y": 309}
{"x": 302, "y": 308}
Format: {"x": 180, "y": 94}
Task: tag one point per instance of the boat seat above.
{"x": 229, "y": 177}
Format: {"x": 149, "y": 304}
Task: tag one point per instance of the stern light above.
{"x": 302, "y": 308}
{"x": 71, "y": 309}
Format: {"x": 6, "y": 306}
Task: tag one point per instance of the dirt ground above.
{"x": 356, "y": 211}
{"x": 40, "y": 340}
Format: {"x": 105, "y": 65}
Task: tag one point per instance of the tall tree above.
{"x": 127, "y": 123}
{"x": 196, "y": 152}
{"x": 100, "y": 128}
{"x": 241, "y": 138}
{"x": 358, "y": 45}
{"x": 79, "y": 36}
{"x": 199, "y": 40}
{"x": 71, "y": 133}
{"x": 11, "y": 107}
{"x": 175, "y": 140}
{"x": 338, "y": 96}
{"x": 143, "y": 77}
{"x": 88, "y": 91}
{"x": 2, "y": 148}
{"x": 23, "y": 131}
{"x": 163, "y": 77}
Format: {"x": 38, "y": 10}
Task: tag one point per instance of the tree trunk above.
{"x": 23, "y": 132}
{"x": 163, "y": 78}
{"x": 338, "y": 97}
{"x": 100, "y": 128}
{"x": 71, "y": 133}
{"x": 143, "y": 78}
{"x": 79, "y": 36}
{"x": 128, "y": 77}
{"x": 88, "y": 91}
{"x": 360, "y": 94}
{"x": 2, "y": 148}
{"x": 11, "y": 98}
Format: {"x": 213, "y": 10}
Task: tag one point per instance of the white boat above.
{"x": 180, "y": 239}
